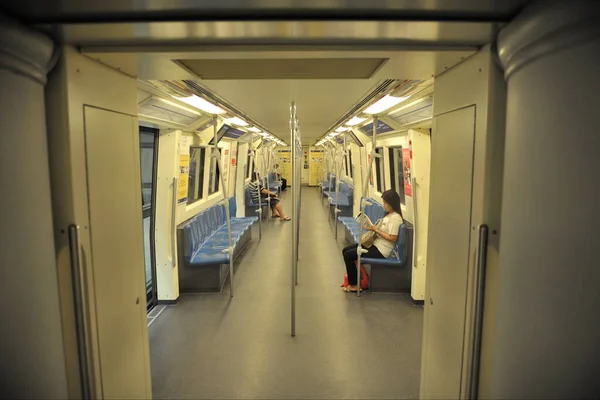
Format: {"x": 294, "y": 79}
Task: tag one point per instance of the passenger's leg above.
{"x": 282, "y": 216}
{"x": 351, "y": 247}
{"x": 274, "y": 212}
{"x": 373, "y": 252}
{"x": 350, "y": 257}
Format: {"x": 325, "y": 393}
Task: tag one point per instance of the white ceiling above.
{"x": 319, "y": 102}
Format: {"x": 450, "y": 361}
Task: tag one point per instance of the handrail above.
{"x": 253, "y": 162}
{"x": 85, "y": 377}
{"x": 360, "y": 250}
{"x": 294, "y": 185}
{"x": 216, "y": 153}
{"x": 173, "y": 224}
{"x": 478, "y": 303}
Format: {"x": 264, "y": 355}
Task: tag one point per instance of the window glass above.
{"x": 396, "y": 172}
{"x": 346, "y": 165}
{"x": 350, "y": 166}
{"x": 196, "y": 177}
{"x": 214, "y": 177}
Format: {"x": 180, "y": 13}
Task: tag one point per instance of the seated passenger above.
{"x": 266, "y": 195}
{"x": 281, "y": 178}
{"x": 386, "y": 235}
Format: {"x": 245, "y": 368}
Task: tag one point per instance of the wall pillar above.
{"x": 32, "y": 363}
{"x": 547, "y": 323}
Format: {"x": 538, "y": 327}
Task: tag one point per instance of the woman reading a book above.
{"x": 386, "y": 234}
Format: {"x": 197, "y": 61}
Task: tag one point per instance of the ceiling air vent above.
{"x": 158, "y": 108}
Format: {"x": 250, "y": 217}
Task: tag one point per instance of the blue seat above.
{"x": 399, "y": 253}
{"x": 274, "y": 183}
{"x": 206, "y": 237}
{"x": 344, "y": 197}
{"x": 325, "y": 185}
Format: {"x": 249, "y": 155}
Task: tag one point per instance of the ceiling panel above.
{"x": 278, "y": 68}
{"x": 320, "y": 102}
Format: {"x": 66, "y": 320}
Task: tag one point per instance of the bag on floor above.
{"x": 364, "y": 279}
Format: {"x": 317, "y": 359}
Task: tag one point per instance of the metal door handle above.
{"x": 78, "y": 300}
{"x": 478, "y": 309}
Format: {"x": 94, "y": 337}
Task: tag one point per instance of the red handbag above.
{"x": 364, "y": 279}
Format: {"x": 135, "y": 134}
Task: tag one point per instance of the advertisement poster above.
{"x": 407, "y": 172}
{"x": 285, "y": 158}
{"x": 315, "y": 167}
{"x": 182, "y": 182}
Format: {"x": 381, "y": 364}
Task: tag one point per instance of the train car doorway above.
{"x": 148, "y": 163}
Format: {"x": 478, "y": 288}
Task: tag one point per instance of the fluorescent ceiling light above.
{"x": 263, "y": 134}
{"x": 383, "y": 104}
{"x": 236, "y": 121}
{"x": 412, "y": 103}
{"x": 335, "y": 133}
{"x": 254, "y": 129}
{"x": 342, "y": 129}
{"x": 355, "y": 121}
{"x": 201, "y": 104}
{"x": 178, "y": 106}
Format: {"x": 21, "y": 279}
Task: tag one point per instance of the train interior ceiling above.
{"x": 162, "y": 273}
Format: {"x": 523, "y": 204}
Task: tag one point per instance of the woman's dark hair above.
{"x": 254, "y": 176}
{"x": 393, "y": 199}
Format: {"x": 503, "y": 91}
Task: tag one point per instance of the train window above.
{"x": 214, "y": 177}
{"x": 248, "y": 162}
{"x": 379, "y": 170}
{"x": 196, "y": 176}
{"x": 346, "y": 165}
{"x": 350, "y": 166}
{"x": 249, "y": 165}
{"x": 396, "y": 172}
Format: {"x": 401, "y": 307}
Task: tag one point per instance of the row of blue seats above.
{"x": 274, "y": 183}
{"x": 375, "y": 212}
{"x": 345, "y": 197}
{"x": 328, "y": 184}
{"x": 205, "y": 237}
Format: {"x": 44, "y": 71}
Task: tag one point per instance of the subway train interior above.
{"x": 270, "y": 200}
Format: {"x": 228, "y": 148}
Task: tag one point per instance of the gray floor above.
{"x": 212, "y": 347}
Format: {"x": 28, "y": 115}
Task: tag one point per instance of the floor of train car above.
{"x": 212, "y": 347}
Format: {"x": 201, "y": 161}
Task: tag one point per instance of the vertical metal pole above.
{"x": 216, "y": 153}
{"x": 85, "y": 375}
{"x": 478, "y": 311}
{"x": 294, "y": 233}
{"x": 253, "y": 165}
{"x": 299, "y": 157}
{"x": 361, "y": 251}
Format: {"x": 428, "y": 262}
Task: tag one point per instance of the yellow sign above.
{"x": 285, "y": 158}
{"x": 182, "y": 182}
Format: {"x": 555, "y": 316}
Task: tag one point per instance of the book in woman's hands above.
{"x": 364, "y": 220}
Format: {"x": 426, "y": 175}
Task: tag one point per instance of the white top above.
{"x": 390, "y": 225}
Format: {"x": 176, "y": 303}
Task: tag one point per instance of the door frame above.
{"x": 152, "y": 297}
